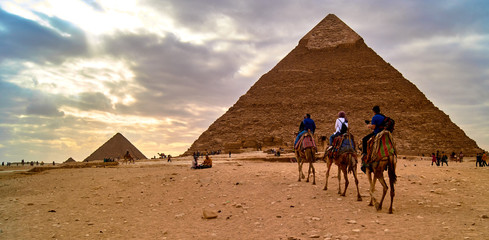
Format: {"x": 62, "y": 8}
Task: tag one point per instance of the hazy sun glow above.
{"x": 76, "y": 76}
{"x": 115, "y": 119}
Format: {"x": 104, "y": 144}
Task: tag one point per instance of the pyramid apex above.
{"x": 330, "y": 32}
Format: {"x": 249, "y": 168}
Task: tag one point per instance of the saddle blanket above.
{"x": 342, "y": 144}
{"x": 386, "y": 148}
{"x": 306, "y": 141}
{"x": 380, "y": 147}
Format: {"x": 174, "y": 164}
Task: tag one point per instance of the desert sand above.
{"x": 252, "y": 198}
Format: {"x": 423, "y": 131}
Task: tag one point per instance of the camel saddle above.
{"x": 380, "y": 147}
{"x": 343, "y": 143}
{"x": 306, "y": 141}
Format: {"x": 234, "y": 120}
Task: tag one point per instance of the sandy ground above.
{"x": 252, "y": 200}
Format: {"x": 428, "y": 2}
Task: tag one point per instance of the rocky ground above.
{"x": 251, "y": 199}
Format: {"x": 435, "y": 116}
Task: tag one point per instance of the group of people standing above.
{"x": 481, "y": 159}
{"x": 439, "y": 158}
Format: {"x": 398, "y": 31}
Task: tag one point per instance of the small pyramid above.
{"x": 115, "y": 147}
{"x": 332, "y": 70}
{"x": 70, "y": 160}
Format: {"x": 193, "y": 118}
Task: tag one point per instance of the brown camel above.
{"x": 378, "y": 165}
{"x": 128, "y": 158}
{"x": 347, "y": 163}
{"x": 306, "y": 155}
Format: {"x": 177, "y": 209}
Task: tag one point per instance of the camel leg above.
{"x": 299, "y": 165}
{"x": 309, "y": 157}
{"x": 329, "y": 163}
{"x": 345, "y": 174}
{"x": 312, "y": 166}
{"x": 392, "y": 180}
{"x": 339, "y": 180}
{"x": 372, "y": 186}
{"x": 308, "y": 172}
{"x": 313, "y": 173}
{"x": 359, "y": 197}
{"x": 302, "y": 164}
{"x": 345, "y": 162}
{"x": 384, "y": 192}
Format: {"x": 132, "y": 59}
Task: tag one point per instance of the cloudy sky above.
{"x": 75, "y": 72}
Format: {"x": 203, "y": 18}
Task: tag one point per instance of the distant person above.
{"x": 340, "y": 126}
{"x": 438, "y": 158}
{"x": 375, "y": 125}
{"x": 460, "y": 156}
{"x": 195, "y": 163}
{"x": 484, "y": 159}
{"x": 229, "y": 153}
{"x": 433, "y": 159}
{"x": 478, "y": 160}
{"x": 444, "y": 159}
{"x": 453, "y": 156}
{"x": 207, "y": 162}
{"x": 169, "y": 158}
{"x": 309, "y": 126}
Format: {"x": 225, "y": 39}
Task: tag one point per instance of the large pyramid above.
{"x": 332, "y": 70}
{"x": 115, "y": 147}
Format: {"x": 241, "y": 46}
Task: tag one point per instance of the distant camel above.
{"x": 346, "y": 162}
{"x": 382, "y": 160}
{"x": 306, "y": 154}
{"x": 128, "y": 158}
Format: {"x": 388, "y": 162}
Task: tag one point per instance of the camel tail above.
{"x": 351, "y": 162}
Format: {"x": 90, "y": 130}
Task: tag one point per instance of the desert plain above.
{"x": 252, "y": 195}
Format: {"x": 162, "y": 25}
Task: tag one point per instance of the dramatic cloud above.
{"x": 74, "y": 73}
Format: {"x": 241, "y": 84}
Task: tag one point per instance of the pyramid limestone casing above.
{"x": 115, "y": 147}
{"x": 332, "y": 70}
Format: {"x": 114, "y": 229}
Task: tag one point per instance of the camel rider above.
{"x": 308, "y": 125}
{"x": 127, "y": 155}
{"x": 301, "y": 127}
{"x": 375, "y": 125}
{"x": 339, "y": 128}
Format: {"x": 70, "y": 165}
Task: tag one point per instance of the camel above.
{"x": 347, "y": 163}
{"x": 379, "y": 164}
{"x": 128, "y": 158}
{"x": 306, "y": 154}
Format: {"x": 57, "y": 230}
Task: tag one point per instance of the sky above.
{"x": 73, "y": 73}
